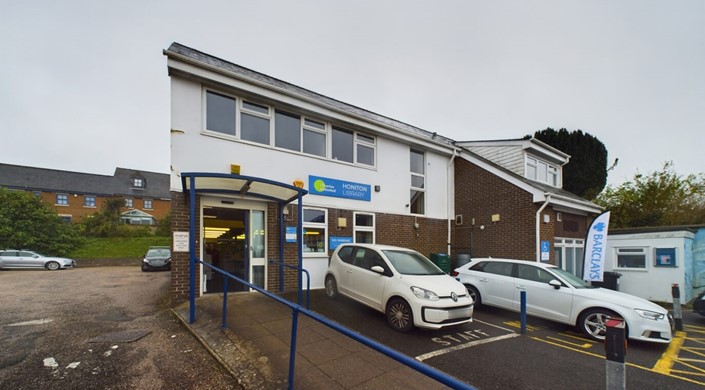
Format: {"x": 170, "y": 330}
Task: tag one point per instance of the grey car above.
{"x": 24, "y": 259}
{"x": 157, "y": 258}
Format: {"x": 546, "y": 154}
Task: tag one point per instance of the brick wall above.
{"x": 77, "y": 210}
{"x": 480, "y": 194}
{"x": 180, "y": 260}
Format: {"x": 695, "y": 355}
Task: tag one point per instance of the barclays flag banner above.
{"x": 339, "y": 188}
{"x": 596, "y": 248}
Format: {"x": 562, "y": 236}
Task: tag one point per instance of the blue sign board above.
{"x": 339, "y": 188}
{"x": 545, "y": 250}
{"x": 335, "y": 241}
{"x": 291, "y": 234}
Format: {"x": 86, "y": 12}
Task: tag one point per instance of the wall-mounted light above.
{"x": 378, "y": 188}
{"x": 495, "y": 217}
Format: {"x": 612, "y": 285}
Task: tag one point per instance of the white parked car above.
{"x": 400, "y": 282}
{"x": 21, "y": 259}
{"x": 558, "y": 295}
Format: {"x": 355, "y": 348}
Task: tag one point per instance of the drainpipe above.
{"x": 538, "y": 227}
{"x": 451, "y": 193}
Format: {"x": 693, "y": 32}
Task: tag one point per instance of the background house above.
{"x": 75, "y": 195}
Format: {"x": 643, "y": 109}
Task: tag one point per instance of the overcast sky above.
{"x": 84, "y": 84}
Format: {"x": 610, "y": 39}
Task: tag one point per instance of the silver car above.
{"x": 24, "y": 259}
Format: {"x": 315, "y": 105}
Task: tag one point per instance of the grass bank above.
{"x": 118, "y": 247}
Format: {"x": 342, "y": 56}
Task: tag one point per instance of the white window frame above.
{"x": 366, "y": 229}
{"x": 151, "y": 204}
{"x": 369, "y": 141}
{"x": 129, "y": 203}
{"x": 244, "y": 110}
{"x": 418, "y": 175}
{"x": 372, "y": 144}
{"x": 138, "y": 182}
{"x": 632, "y": 250}
{"x": 545, "y": 172}
{"x": 565, "y": 244}
{"x": 317, "y": 225}
{"x": 325, "y": 131}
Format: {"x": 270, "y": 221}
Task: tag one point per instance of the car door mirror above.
{"x": 378, "y": 269}
{"x": 555, "y": 283}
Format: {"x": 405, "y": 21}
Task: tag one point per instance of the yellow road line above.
{"x": 573, "y": 336}
{"x": 665, "y": 363}
{"x": 694, "y": 351}
{"x": 517, "y": 324}
{"x": 584, "y": 345}
{"x": 628, "y": 364}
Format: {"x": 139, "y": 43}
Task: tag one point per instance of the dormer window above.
{"x": 138, "y": 182}
{"x": 542, "y": 171}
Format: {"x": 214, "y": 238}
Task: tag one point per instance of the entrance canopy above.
{"x": 230, "y": 184}
{"x": 222, "y": 183}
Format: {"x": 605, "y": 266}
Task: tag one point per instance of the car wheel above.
{"x": 474, "y": 294}
{"x": 399, "y": 315}
{"x": 53, "y": 266}
{"x": 592, "y": 323}
{"x": 331, "y": 287}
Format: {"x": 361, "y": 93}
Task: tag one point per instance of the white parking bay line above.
{"x": 33, "y": 322}
{"x": 463, "y": 346}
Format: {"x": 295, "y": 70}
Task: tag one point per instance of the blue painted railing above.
{"x": 308, "y": 280}
{"x": 297, "y": 308}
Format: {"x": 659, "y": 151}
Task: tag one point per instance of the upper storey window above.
{"x": 238, "y": 118}
{"x": 542, "y": 171}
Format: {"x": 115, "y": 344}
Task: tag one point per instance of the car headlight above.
{"x": 422, "y": 293}
{"x": 652, "y": 315}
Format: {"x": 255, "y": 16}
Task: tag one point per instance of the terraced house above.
{"x": 74, "y": 195}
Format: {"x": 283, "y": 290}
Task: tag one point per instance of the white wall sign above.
{"x": 181, "y": 241}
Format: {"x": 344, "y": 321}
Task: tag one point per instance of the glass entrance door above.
{"x": 234, "y": 241}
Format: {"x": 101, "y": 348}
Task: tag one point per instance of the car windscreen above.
{"x": 570, "y": 278}
{"x": 411, "y": 263}
{"x": 158, "y": 253}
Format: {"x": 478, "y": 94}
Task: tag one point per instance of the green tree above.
{"x": 28, "y": 223}
{"x": 106, "y": 222}
{"x": 585, "y": 174}
{"x": 661, "y": 198}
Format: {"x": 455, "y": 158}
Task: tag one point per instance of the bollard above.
{"x": 523, "y": 311}
{"x": 677, "y": 313}
{"x": 615, "y": 352}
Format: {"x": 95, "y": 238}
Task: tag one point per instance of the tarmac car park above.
{"x": 494, "y": 353}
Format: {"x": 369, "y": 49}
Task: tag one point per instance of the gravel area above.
{"x": 100, "y": 327}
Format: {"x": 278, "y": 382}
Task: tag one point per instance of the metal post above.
{"x": 192, "y": 250}
{"x": 282, "y": 240}
{"x": 523, "y": 311}
{"x": 677, "y": 313}
{"x": 615, "y": 351}
{"x": 292, "y": 351}
{"x": 224, "y": 324}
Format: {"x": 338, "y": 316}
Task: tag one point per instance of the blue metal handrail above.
{"x": 297, "y": 308}
{"x": 308, "y": 280}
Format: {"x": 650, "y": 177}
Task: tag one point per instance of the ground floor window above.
{"x": 315, "y": 226}
{"x": 569, "y": 255}
{"x": 632, "y": 258}
{"x": 364, "y": 228}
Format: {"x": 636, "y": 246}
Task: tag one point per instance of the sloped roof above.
{"x": 53, "y": 180}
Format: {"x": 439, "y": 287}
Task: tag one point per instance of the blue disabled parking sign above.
{"x": 545, "y": 250}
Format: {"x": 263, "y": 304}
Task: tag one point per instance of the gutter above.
{"x": 538, "y": 227}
